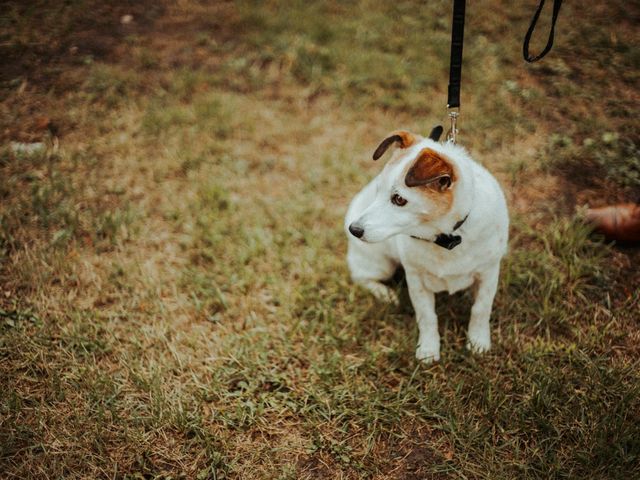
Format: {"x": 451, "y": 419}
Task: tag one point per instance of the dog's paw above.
{"x": 479, "y": 343}
{"x": 428, "y": 352}
{"x": 384, "y": 293}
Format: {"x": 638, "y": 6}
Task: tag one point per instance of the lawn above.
{"x": 174, "y": 296}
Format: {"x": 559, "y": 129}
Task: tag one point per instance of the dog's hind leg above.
{"x": 369, "y": 267}
{"x": 479, "y": 334}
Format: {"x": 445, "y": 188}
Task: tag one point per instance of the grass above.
{"x": 174, "y": 300}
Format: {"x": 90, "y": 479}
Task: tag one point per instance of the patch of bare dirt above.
{"x": 54, "y": 41}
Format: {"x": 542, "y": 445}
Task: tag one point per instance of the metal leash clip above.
{"x": 452, "y": 134}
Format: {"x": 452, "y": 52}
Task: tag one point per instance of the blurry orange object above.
{"x": 617, "y": 222}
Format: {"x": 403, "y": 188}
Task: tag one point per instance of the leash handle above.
{"x": 527, "y": 38}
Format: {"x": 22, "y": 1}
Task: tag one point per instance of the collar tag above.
{"x": 448, "y": 240}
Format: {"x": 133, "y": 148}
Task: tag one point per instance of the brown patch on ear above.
{"x": 408, "y": 138}
{"x": 402, "y": 137}
{"x": 430, "y": 168}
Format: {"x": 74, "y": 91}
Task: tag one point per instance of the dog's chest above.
{"x": 446, "y": 283}
{"x": 438, "y": 268}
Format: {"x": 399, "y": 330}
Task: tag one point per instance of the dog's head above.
{"x": 417, "y": 186}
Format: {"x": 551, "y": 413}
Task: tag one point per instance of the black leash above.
{"x": 527, "y": 38}
{"x": 455, "y": 66}
{"x": 450, "y": 240}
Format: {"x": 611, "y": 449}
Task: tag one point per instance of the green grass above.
{"x": 174, "y": 298}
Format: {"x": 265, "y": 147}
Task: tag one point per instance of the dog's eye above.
{"x": 444, "y": 182}
{"x": 398, "y": 200}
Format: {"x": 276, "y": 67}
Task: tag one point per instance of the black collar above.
{"x": 447, "y": 240}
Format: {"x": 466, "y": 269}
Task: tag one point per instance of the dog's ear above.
{"x": 436, "y": 133}
{"x": 430, "y": 168}
{"x": 402, "y": 137}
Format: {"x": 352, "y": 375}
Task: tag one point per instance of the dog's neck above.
{"x": 443, "y": 232}
{"x": 447, "y": 240}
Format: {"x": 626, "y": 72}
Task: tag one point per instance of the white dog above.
{"x": 444, "y": 218}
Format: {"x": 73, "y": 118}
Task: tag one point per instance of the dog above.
{"x": 441, "y": 216}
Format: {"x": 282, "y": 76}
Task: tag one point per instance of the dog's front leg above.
{"x": 479, "y": 334}
{"x": 424, "y": 303}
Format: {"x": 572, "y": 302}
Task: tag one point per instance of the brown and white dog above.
{"x": 443, "y": 218}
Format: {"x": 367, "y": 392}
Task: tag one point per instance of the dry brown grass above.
{"x": 173, "y": 295}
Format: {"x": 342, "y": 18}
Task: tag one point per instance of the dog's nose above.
{"x": 356, "y": 230}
